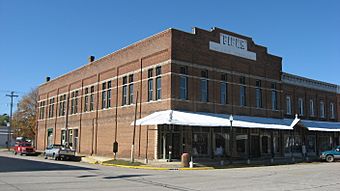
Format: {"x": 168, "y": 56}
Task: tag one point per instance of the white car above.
{"x": 59, "y": 152}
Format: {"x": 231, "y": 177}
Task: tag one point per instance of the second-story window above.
{"x": 258, "y": 94}
{"x": 158, "y": 82}
{"x": 124, "y": 92}
{"x": 131, "y": 89}
{"x": 74, "y": 102}
{"x": 311, "y": 108}
{"x": 224, "y": 89}
{"x": 62, "y": 105}
{"x": 51, "y": 108}
{"x": 243, "y": 91}
{"x": 86, "y": 100}
{"x": 300, "y": 107}
{"x": 322, "y": 109}
{"x": 332, "y": 110}
{"x": 150, "y": 84}
{"x": 288, "y": 105}
{"x": 42, "y": 110}
{"x": 204, "y": 86}
{"x": 92, "y": 98}
{"x": 104, "y": 95}
{"x": 274, "y": 97}
{"x": 183, "y": 83}
{"x": 109, "y": 94}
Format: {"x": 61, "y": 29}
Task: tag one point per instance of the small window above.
{"x": 184, "y": 70}
{"x": 300, "y": 107}
{"x": 204, "y": 73}
{"x": 288, "y": 105}
{"x": 332, "y": 110}
{"x": 322, "y": 109}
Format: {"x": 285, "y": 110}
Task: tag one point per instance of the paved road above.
{"x": 34, "y": 173}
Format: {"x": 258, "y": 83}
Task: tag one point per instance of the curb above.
{"x": 154, "y": 168}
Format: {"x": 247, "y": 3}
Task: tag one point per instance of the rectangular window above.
{"x": 224, "y": 93}
{"x": 332, "y": 110}
{"x": 76, "y": 102}
{"x": 124, "y": 92}
{"x": 274, "y": 97}
{"x": 204, "y": 90}
{"x": 158, "y": 88}
{"x": 288, "y": 105}
{"x": 243, "y": 92}
{"x": 158, "y": 83}
{"x": 183, "y": 89}
{"x": 104, "y": 95}
{"x": 109, "y": 94}
{"x": 150, "y": 84}
{"x": 72, "y": 103}
{"x": 62, "y": 104}
{"x": 51, "y": 108}
{"x": 311, "y": 108}
{"x": 258, "y": 94}
{"x": 86, "y": 100}
{"x": 183, "y": 83}
{"x": 92, "y": 99}
{"x": 42, "y": 110}
{"x": 322, "y": 109}
{"x": 300, "y": 106}
{"x": 131, "y": 93}
{"x": 150, "y": 89}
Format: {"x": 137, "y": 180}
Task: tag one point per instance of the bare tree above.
{"x": 24, "y": 118}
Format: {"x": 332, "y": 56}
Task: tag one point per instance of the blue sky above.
{"x": 40, "y": 38}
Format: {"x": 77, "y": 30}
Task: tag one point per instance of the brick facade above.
{"x": 168, "y": 53}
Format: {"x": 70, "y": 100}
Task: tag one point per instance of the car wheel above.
{"x": 15, "y": 153}
{"x": 329, "y": 158}
{"x": 21, "y": 154}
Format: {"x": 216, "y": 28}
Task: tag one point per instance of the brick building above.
{"x": 202, "y": 73}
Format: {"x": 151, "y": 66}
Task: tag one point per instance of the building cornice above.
{"x": 309, "y": 83}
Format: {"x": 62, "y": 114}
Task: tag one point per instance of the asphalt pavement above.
{"x": 29, "y": 173}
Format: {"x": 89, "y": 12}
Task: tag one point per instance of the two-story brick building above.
{"x": 193, "y": 82}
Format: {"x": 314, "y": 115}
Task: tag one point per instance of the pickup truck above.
{"x": 59, "y": 152}
{"x": 331, "y": 155}
{"x": 23, "y": 147}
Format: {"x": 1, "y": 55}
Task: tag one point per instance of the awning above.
{"x": 321, "y": 125}
{"x": 214, "y": 120}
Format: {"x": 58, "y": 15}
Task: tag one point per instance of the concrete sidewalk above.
{"x": 206, "y": 164}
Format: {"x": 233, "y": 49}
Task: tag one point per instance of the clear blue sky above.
{"x": 40, "y": 38}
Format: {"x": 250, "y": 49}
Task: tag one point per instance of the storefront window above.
{"x": 311, "y": 144}
{"x": 241, "y": 143}
{"x": 200, "y": 144}
{"x": 265, "y": 146}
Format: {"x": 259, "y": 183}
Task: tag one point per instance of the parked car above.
{"x": 59, "y": 152}
{"x": 331, "y": 155}
{"x": 24, "y": 147}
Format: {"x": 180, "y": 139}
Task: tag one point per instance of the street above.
{"x": 35, "y": 173}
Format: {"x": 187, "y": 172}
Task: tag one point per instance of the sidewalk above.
{"x": 202, "y": 164}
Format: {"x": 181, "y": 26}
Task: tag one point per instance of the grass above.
{"x": 123, "y": 162}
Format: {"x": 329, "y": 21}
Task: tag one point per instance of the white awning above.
{"x": 321, "y": 125}
{"x": 214, "y": 120}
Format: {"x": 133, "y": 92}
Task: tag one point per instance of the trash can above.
{"x": 185, "y": 159}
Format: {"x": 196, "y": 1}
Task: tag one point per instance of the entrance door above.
{"x": 170, "y": 141}
{"x": 255, "y": 146}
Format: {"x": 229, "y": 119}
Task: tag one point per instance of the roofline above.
{"x": 121, "y": 49}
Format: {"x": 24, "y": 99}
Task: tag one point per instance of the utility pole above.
{"x": 12, "y": 96}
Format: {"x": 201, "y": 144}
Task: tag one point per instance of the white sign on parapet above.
{"x": 232, "y": 45}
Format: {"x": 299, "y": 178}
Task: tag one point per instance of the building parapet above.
{"x": 309, "y": 83}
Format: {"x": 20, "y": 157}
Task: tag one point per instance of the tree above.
{"x": 24, "y": 118}
{"x": 4, "y": 119}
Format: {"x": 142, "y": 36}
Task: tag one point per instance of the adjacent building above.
{"x": 193, "y": 82}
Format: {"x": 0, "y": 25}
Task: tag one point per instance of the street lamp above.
{"x": 231, "y": 119}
